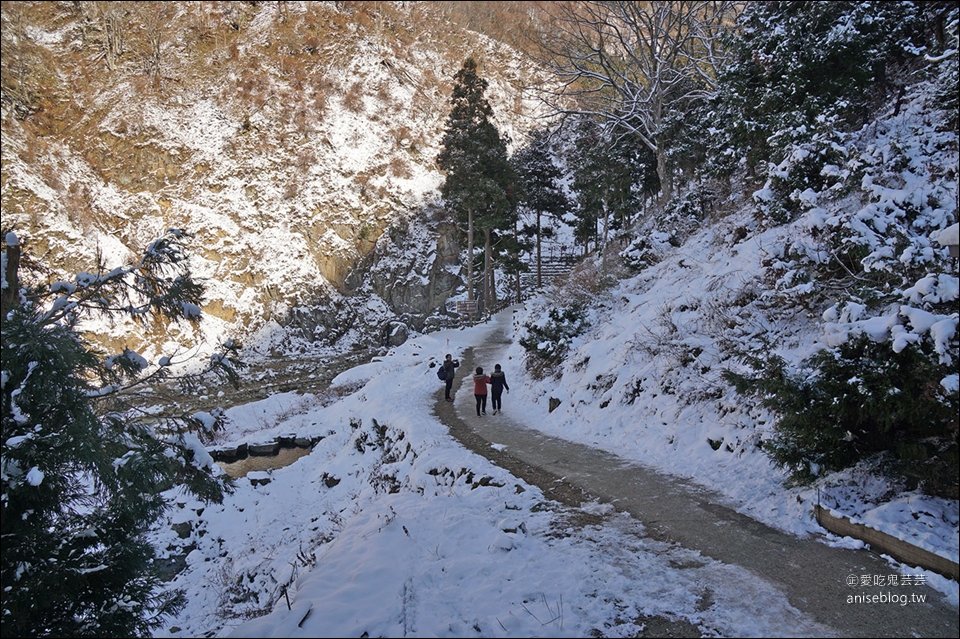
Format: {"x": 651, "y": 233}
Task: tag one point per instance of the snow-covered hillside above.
{"x": 638, "y": 372}
{"x": 298, "y": 140}
{"x": 287, "y": 138}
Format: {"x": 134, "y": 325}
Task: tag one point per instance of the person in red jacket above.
{"x": 480, "y": 382}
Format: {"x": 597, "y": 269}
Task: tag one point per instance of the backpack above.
{"x": 442, "y": 374}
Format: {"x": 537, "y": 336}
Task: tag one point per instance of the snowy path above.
{"x": 812, "y": 576}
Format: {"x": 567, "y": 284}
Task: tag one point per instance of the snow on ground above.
{"x": 387, "y": 529}
{"x": 439, "y": 557}
{"x": 645, "y": 383}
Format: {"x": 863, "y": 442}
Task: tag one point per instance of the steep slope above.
{"x": 287, "y": 137}
{"x": 641, "y": 365}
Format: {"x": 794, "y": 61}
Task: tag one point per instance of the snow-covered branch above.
{"x": 628, "y": 63}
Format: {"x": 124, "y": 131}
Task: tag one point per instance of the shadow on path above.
{"x": 815, "y": 578}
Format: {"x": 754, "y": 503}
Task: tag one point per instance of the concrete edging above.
{"x": 897, "y": 548}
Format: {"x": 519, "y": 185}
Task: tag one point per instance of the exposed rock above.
{"x": 397, "y": 334}
{"x": 264, "y": 448}
{"x": 417, "y": 288}
{"x": 259, "y": 478}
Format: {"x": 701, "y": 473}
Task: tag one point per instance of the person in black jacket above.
{"x": 449, "y": 364}
{"x": 498, "y": 381}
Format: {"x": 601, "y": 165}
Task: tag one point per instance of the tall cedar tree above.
{"x": 479, "y": 178}
{"x": 82, "y": 480}
{"x": 541, "y": 190}
{"x": 611, "y": 175}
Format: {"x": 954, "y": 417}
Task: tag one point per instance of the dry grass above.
{"x": 400, "y": 168}
{"x": 306, "y": 158}
{"x": 586, "y": 281}
{"x": 405, "y": 137}
{"x": 353, "y": 98}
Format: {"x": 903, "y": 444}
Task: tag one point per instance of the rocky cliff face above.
{"x": 296, "y": 141}
{"x": 414, "y": 269}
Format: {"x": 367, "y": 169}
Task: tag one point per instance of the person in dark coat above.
{"x": 480, "y": 382}
{"x": 449, "y": 364}
{"x": 498, "y": 381}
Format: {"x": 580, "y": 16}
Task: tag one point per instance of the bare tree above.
{"x": 16, "y": 63}
{"x": 625, "y": 63}
{"x": 155, "y": 18}
{"x": 108, "y": 14}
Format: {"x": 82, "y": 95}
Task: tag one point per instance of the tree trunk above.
{"x": 666, "y": 182}
{"x": 156, "y": 58}
{"x": 470, "y": 254}
{"x": 516, "y": 240}
{"x": 539, "y": 259}
{"x": 606, "y": 223}
{"x": 489, "y": 294}
{"x": 112, "y": 35}
{"x": 11, "y": 279}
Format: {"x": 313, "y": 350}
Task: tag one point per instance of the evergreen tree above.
{"x": 541, "y": 190}
{"x": 807, "y": 78}
{"x": 611, "y": 176}
{"x": 82, "y": 480}
{"x": 690, "y": 138}
{"x": 479, "y": 177}
{"x": 510, "y": 246}
{"x": 799, "y": 65}
{"x": 841, "y": 408}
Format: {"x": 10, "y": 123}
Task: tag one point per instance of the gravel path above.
{"x": 811, "y": 575}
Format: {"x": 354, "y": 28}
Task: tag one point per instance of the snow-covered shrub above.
{"x": 658, "y": 235}
{"x": 687, "y": 212}
{"x": 866, "y": 178}
{"x": 858, "y": 399}
{"x": 798, "y": 64}
{"x": 548, "y": 339}
{"x": 645, "y": 251}
{"x": 807, "y": 169}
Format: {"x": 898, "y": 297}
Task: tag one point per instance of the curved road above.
{"x": 812, "y": 575}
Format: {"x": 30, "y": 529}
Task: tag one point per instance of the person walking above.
{"x": 480, "y": 382}
{"x": 498, "y": 382}
{"x": 449, "y": 365}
